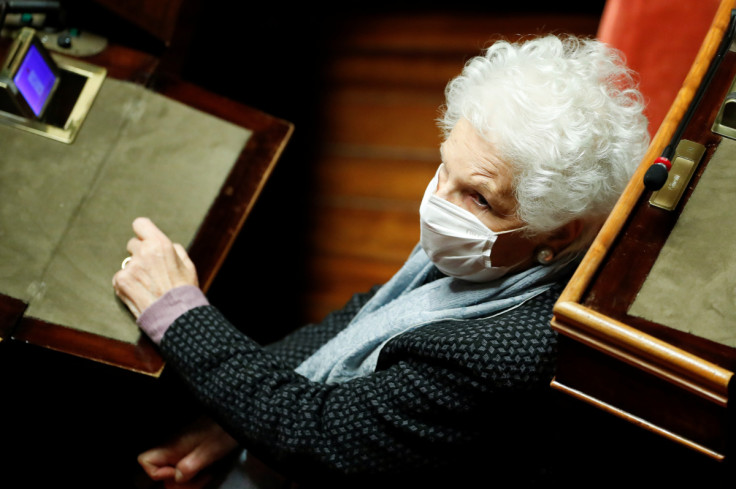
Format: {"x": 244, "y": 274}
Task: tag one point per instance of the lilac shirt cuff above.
{"x": 157, "y": 317}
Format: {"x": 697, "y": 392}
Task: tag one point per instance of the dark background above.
{"x": 68, "y": 421}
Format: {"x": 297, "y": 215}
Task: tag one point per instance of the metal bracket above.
{"x": 686, "y": 159}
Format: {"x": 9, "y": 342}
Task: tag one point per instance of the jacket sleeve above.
{"x": 426, "y": 403}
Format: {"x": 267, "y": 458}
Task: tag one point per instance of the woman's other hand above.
{"x": 156, "y": 266}
{"x": 181, "y": 463}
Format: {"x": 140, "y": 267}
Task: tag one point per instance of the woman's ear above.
{"x": 564, "y": 236}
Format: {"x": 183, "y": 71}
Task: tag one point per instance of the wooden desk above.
{"x": 216, "y": 234}
{"x": 665, "y": 380}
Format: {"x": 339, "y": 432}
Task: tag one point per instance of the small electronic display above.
{"x": 29, "y": 75}
{"x": 35, "y": 80}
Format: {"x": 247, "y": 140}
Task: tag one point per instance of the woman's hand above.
{"x": 156, "y": 266}
{"x": 181, "y": 462}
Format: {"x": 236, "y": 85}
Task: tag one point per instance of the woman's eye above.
{"x": 480, "y": 200}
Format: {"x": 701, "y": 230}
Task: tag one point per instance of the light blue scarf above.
{"x": 406, "y": 302}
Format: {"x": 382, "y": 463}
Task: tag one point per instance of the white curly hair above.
{"x": 566, "y": 114}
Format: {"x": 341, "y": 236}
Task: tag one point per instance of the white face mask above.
{"x": 456, "y": 241}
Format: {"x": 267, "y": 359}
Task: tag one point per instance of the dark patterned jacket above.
{"x": 446, "y": 398}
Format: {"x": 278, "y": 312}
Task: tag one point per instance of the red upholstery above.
{"x": 660, "y": 39}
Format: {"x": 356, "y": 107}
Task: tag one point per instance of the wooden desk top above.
{"x": 216, "y": 234}
{"x": 671, "y": 382}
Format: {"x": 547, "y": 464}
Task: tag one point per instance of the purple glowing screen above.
{"x": 35, "y": 80}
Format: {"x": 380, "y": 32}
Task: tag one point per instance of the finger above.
{"x": 192, "y": 464}
{"x": 203, "y": 456}
{"x": 190, "y": 270}
{"x": 144, "y": 228}
{"x": 157, "y": 250}
{"x": 158, "y": 463}
{"x": 129, "y": 304}
{"x": 181, "y": 252}
{"x": 133, "y": 245}
{"x": 126, "y": 288}
{"x": 160, "y": 473}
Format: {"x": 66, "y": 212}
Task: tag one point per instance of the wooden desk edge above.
{"x": 141, "y": 357}
{"x": 286, "y": 131}
{"x": 636, "y": 420}
{"x": 643, "y": 351}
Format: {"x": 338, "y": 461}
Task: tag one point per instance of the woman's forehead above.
{"x": 476, "y": 153}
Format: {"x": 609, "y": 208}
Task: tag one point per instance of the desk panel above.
{"x": 210, "y": 237}
{"x": 669, "y": 381}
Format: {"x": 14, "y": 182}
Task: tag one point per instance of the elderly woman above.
{"x": 452, "y": 357}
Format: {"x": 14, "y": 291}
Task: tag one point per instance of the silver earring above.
{"x": 545, "y": 255}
